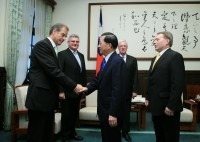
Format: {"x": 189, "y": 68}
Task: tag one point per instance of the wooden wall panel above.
{"x": 191, "y": 77}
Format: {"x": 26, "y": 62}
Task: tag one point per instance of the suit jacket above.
{"x": 69, "y": 65}
{"x": 45, "y": 77}
{"x": 111, "y": 88}
{"x": 132, "y": 75}
{"x": 166, "y": 83}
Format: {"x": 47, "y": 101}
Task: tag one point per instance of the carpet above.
{"x": 93, "y": 134}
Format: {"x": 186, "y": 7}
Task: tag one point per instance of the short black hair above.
{"x": 110, "y": 38}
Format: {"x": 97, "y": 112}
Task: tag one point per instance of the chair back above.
{"x": 192, "y": 91}
{"x": 91, "y": 100}
{"x": 20, "y": 94}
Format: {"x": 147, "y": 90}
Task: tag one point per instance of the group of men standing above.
{"x": 61, "y": 78}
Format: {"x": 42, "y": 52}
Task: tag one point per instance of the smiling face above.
{"x": 161, "y": 43}
{"x": 59, "y": 36}
{"x": 73, "y": 43}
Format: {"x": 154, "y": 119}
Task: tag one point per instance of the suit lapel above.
{"x": 128, "y": 61}
{"x": 73, "y": 58}
{"x": 106, "y": 68}
{"x": 53, "y": 52}
{"x": 161, "y": 59}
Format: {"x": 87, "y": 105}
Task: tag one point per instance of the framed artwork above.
{"x": 139, "y": 22}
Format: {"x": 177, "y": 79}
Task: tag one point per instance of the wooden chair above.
{"x": 140, "y": 110}
{"x": 188, "y": 116}
{"x": 192, "y": 91}
{"x": 88, "y": 110}
{"x": 19, "y": 117}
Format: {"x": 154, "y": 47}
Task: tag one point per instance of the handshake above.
{"x": 80, "y": 89}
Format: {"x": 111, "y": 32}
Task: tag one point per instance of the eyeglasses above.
{"x": 74, "y": 41}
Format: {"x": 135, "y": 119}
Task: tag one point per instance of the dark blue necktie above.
{"x": 103, "y": 64}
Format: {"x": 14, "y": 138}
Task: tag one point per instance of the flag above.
{"x": 99, "y": 56}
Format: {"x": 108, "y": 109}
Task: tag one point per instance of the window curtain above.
{"x": 14, "y": 28}
{"x": 25, "y": 42}
{"x": 43, "y": 18}
{"x": 48, "y": 18}
{"x": 40, "y": 10}
{"x": 18, "y": 36}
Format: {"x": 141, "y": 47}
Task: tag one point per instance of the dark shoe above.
{"x": 64, "y": 140}
{"x": 76, "y": 137}
{"x": 127, "y": 137}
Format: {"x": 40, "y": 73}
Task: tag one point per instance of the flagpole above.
{"x": 99, "y": 58}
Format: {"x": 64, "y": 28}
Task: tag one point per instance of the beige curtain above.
{"x": 14, "y": 27}
{"x": 18, "y": 35}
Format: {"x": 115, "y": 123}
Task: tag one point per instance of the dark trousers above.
{"x": 70, "y": 112}
{"x": 167, "y": 128}
{"x": 125, "y": 126}
{"x": 40, "y": 126}
{"x": 110, "y": 134}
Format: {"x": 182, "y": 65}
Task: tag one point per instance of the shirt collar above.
{"x": 108, "y": 56}
{"x": 52, "y": 42}
{"x": 163, "y": 51}
{"x": 74, "y": 52}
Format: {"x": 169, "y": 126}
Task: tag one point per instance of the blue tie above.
{"x": 103, "y": 64}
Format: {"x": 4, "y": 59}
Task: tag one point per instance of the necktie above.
{"x": 157, "y": 57}
{"x": 103, "y": 64}
{"x": 56, "y": 50}
{"x": 78, "y": 59}
{"x": 123, "y": 57}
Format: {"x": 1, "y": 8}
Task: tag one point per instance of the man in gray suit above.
{"x": 132, "y": 86}
{"x": 45, "y": 79}
{"x": 165, "y": 87}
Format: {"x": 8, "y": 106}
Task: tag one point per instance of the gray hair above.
{"x": 73, "y": 35}
{"x": 57, "y": 27}
{"x": 123, "y": 40}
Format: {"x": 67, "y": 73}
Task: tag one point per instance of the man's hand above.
{"x": 169, "y": 112}
{"x": 85, "y": 89}
{"x": 134, "y": 95}
{"x": 62, "y": 95}
{"x": 78, "y": 89}
{"x": 112, "y": 121}
{"x": 146, "y": 102}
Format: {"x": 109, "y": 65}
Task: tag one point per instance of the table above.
{"x": 140, "y": 109}
{"x": 198, "y": 110}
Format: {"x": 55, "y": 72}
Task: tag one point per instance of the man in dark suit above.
{"x": 72, "y": 63}
{"x": 132, "y": 86}
{"x": 110, "y": 83}
{"x": 45, "y": 78}
{"x": 165, "y": 86}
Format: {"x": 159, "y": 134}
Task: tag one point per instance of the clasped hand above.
{"x": 80, "y": 89}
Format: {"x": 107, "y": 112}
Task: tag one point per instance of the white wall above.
{"x": 74, "y": 13}
{"x": 2, "y": 32}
